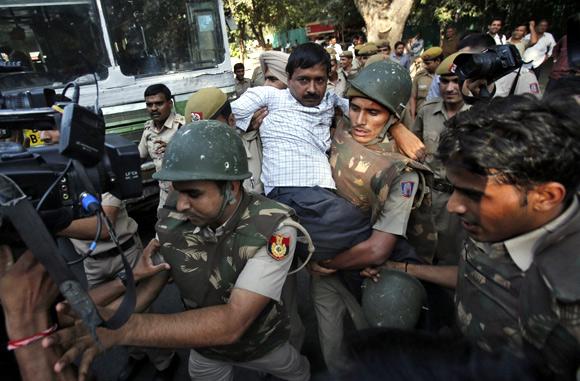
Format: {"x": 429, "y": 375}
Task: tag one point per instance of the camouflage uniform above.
{"x": 147, "y": 146}
{"x": 428, "y": 126}
{"x": 525, "y": 293}
{"x": 380, "y": 181}
{"x": 388, "y": 186}
{"x": 205, "y": 268}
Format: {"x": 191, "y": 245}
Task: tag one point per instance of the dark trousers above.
{"x": 334, "y": 223}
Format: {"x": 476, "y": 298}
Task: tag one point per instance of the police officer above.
{"x": 518, "y": 274}
{"x": 385, "y": 185}
{"x": 431, "y": 58}
{"x": 347, "y": 63}
{"x": 429, "y": 124}
{"x": 367, "y": 50}
{"x": 229, "y": 253}
{"x": 159, "y": 130}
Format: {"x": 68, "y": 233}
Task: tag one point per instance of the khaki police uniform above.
{"x": 242, "y": 86}
{"x": 340, "y": 86}
{"x": 105, "y": 262}
{"x": 147, "y": 146}
{"x": 524, "y": 293}
{"x": 205, "y": 104}
{"x": 428, "y": 126}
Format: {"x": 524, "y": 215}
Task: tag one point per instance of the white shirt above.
{"x": 544, "y": 46}
{"x": 499, "y": 38}
{"x": 295, "y": 138}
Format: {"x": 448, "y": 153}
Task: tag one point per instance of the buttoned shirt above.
{"x": 404, "y": 60}
{"x": 543, "y": 47}
{"x": 148, "y": 144}
{"x": 295, "y": 138}
{"x": 338, "y": 88}
{"x": 242, "y": 86}
{"x": 498, "y": 38}
{"x": 420, "y": 88}
{"x": 429, "y": 124}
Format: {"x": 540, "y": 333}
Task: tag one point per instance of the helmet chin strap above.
{"x": 228, "y": 199}
{"x": 381, "y": 136}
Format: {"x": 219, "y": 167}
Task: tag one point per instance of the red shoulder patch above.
{"x": 278, "y": 246}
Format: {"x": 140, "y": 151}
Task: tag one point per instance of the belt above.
{"x": 442, "y": 186}
{"x": 114, "y": 252}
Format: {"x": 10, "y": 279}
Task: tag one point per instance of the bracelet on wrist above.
{"x": 406, "y": 266}
{"x": 15, "y": 344}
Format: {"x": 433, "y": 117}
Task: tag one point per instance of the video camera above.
{"x": 491, "y": 64}
{"x": 54, "y": 177}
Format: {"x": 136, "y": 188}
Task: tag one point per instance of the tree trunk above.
{"x": 384, "y": 19}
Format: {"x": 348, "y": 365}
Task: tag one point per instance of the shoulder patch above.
{"x": 407, "y": 188}
{"x": 278, "y": 246}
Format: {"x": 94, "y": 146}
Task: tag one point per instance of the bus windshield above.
{"x": 151, "y": 37}
{"x": 54, "y": 42}
{"x": 57, "y": 41}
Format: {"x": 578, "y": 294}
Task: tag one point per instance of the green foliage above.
{"x": 476, "y": 14}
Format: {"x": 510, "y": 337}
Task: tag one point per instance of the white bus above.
{"x": 127, "y": 44}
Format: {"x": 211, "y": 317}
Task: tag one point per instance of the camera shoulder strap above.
{"x": 21, "y": 213}
{"x": 515, "y": 82}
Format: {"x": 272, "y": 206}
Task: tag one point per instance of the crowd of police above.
{"x": 443, "y": 228}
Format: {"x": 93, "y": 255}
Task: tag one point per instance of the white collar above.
{"x": 522, "y": 248}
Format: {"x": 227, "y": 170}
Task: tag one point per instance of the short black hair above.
{"x": 399, "y": 43}
{"x": 306, "y": 56}
{"x": 476, "y": 41}
{"x": 239, "y": 65}
{"x": 158, "y": 88}
{"x": 496, "y": 19}
{"x": 519, "y": 139}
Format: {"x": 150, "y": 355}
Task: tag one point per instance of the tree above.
{"x": 384, "y": 19}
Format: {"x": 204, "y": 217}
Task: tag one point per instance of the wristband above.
{"x": 406, "y": 265}
{"x": 15, "y": 344}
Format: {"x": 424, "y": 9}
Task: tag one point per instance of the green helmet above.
{"x": 204, "y": 150}
{"x": 394, "y": 301}
{"x": 385, "y": 82}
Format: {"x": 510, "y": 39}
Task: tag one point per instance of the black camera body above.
{"x": 491, "y": 64}
{"x": 85, "y": 160}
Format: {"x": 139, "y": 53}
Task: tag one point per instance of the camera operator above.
{"x": 26, "y": 296}
{"x": 476, "y": 43}
{"x": 105, "y": 263}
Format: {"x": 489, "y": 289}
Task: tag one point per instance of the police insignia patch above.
{"x": 407, "y": 188}
{"x": 278, "y": 246}
{"x": 196, "y": 116}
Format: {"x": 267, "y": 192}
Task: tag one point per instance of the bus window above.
{"x": 151, "y": 37}
{"x": 54, "y": 41}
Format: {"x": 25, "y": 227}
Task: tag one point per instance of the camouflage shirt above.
{"x": 531, "y": 304}
{"x": 365, "y": 176}
{"x": 205, "y": 269}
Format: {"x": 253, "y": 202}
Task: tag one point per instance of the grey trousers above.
{"x": 331, "y": 302}
{"x": 283, "y": 362}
